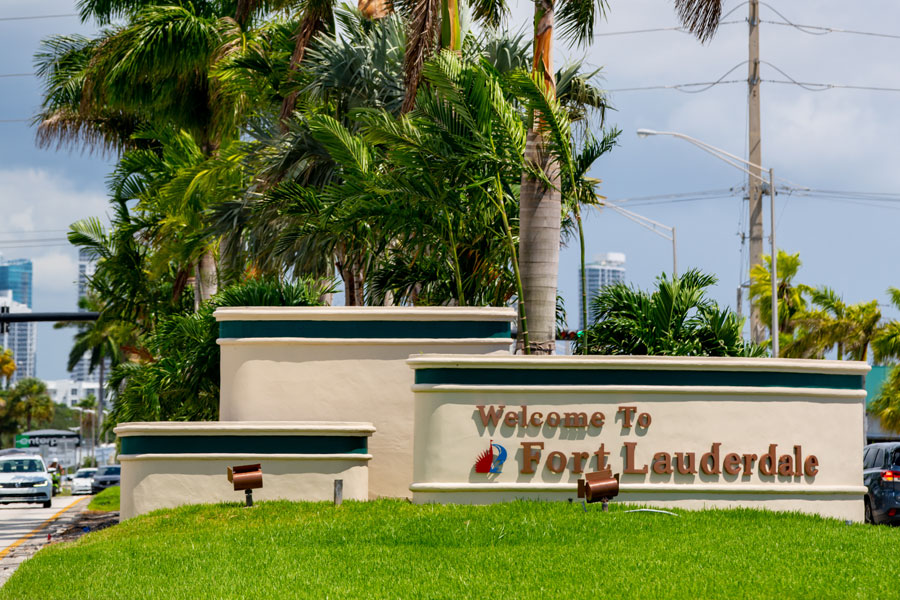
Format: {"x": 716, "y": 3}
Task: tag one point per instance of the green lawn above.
{"x": 393, "y": 549}
{"x": 108, "y": 499}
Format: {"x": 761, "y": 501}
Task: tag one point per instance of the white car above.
{"x": 81, "y": 481}
{"x": 24, "y": 478}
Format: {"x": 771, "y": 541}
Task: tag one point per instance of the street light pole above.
{"x": 653, "y": 226}
{"x": 731, "y": 160}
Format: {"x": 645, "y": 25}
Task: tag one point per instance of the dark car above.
{"x": 881, "y": 475}
{"x": 105, "y": 477}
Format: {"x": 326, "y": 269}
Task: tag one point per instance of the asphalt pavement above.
{"x": 24, "y": 528}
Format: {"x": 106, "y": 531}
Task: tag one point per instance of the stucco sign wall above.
{"x": 782, "y": 434}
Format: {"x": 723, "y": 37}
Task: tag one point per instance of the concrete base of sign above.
{"x": 332, "y": 363}
{"x": 681, "y": 432}
{"x": 166, "y": 464}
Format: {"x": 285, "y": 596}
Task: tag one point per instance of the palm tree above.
{"x": 154, "y": 71}
{"x": 848, "y": 328}
{"x": 539, "y": 198}
{"x": 29, "y": 400}
{"x": 179, "y": 378}
{"x": 792, "y": 301}
{"x": 101, "y": 340}
{"x": 675, "y": 319}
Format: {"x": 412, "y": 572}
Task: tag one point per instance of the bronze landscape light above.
{"x": 247, "y": 478}
{"x": 600, "y": 486}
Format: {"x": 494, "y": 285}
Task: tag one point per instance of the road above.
{"x": 18, "y": 520}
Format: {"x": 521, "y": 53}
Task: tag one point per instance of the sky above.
{"x": 837, "y": 139}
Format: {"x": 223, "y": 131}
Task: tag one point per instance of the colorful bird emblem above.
{"x": 488, "y": 462}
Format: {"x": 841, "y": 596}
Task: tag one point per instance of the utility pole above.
{"x": 757, "y": 330}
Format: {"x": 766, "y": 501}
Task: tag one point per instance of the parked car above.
{"x": 24, "y": 478}
{"x": 81, "y": 481}
{"x": 881, "y": 475}
{"x": 105, "y": 477}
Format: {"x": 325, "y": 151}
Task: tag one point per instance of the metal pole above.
{"x": 754, "y": 184}
{"x": 674, "y": 255}
{"x": 774, "y": 268}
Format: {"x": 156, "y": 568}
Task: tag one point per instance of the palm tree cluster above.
{"x": 815, "y": 322}
{"x": 22, "y": 407}
{"x": 675, "y": 319}
{"x": 391, "y": 144}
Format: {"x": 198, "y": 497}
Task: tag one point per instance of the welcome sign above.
{"x": 684, "y": 432}
{"x": 534, "y": 455}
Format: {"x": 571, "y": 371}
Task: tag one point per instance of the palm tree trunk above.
{"x": 539, "y": 208}
{"x": 309, "y": 25}
{"x": 451, "y": 32}
{"x": 207, "y": 276}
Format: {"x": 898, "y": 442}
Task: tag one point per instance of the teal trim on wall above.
{"x": 636, "y": 377}
{"x": 874, "y": 380}
{"x": 244, "y": 444}
{"x": 366, "y": 329}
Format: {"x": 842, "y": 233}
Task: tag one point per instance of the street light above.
{"x": 730, "y": 159}
{"x": 653, "y": 226}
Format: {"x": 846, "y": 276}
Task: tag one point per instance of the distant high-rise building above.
{"x": 87, "y": 266}
{"x": 606, "y": 269}
{"x": 21, "y": 338}
{"x": 16, "y": 275}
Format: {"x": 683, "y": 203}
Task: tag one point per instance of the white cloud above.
{"x": 55, "y": 272}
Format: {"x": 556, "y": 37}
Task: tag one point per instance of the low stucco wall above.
{"x": 717, "y": 419}
{"x": 333, "y": 363}
{"x": 165, "y": 464}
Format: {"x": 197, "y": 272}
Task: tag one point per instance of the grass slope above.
{"x": 107, "y": 499}
{"x": 393, "y": 549}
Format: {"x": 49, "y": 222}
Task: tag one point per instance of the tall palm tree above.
{"x": 154, "y": 70}
{"x": 540, "y": 196}
{"x": 792, "y": 302}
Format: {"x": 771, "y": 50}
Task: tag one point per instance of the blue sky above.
{"x": 829, "y": 140}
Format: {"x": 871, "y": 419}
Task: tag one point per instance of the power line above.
{"x": 16, "y": 74}
{"x": 32, "y": 240}
{"x": 823, "y": 87}
{"x": 36, "y": 17}
{"x": 680, "y": 86}
{"x": 819, "y": 30}
{"x": 658, "y": 29}
{"x": 15, "y": 120}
